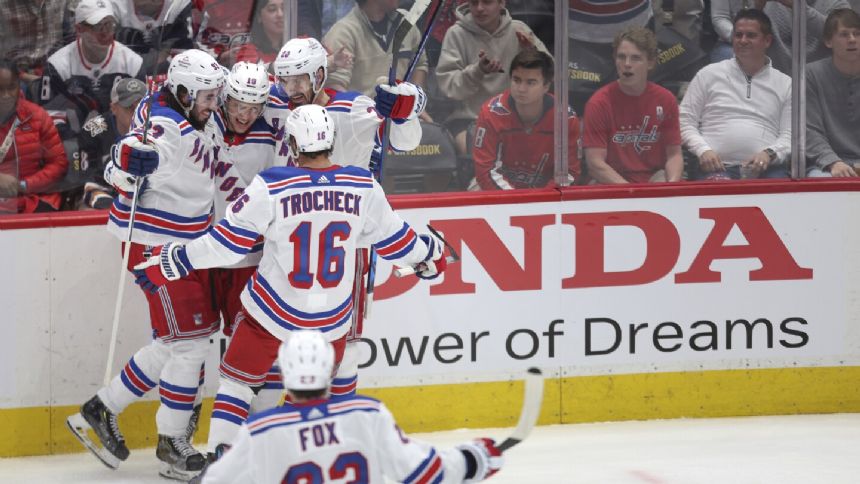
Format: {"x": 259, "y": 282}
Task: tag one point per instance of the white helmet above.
{"x": 194, "y": 70}
{"x": 312, "y": 128}
{"x": 302, "y": 56}
{"x": 248, "y": 83}
{"x": 306, "y": 360}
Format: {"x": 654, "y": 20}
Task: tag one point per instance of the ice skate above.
{"x": 211, "y": 457}
{"x": 96, "y": 417}
{"x": 179, "y": 460}
{"x": 193, "y": 422}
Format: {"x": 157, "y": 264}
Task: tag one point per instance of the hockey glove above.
{"x": 435, "y": 262}
{"x": 132, "y": 156}
{"x": 401, "y": 102}
{"x": 483, "y": 459}
{"x": 167, "y": 263}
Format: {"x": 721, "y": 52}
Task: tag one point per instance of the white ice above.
{"x": 805, "y": 449}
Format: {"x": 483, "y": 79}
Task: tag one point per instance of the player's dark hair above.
{"x": 534, "y": 59}
{"x": 846, "y": 17}
{"x": 10, "y": 66}
{"x": 174, "y": 104}
{"x": 757, "y": 15}
{"x": 309, "y": 394}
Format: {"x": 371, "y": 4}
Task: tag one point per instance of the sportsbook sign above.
{"x": 623, "y": 285}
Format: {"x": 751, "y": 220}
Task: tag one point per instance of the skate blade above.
{"x": 79, "y": 426}
{"x": 168, "y": 471}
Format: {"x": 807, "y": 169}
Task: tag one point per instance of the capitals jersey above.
{"x": 241, "y": 157}
{"x": 344, "y": 439}
{"x": 358, "y": 128}
{"x": 176, "y": 204}
{"x": 222, "y": 24}
{"x": 70, "y": 74}
{"x": 312, "y": 221}
{"x": 634, "y": 130}
{"x": 509, "y": 154}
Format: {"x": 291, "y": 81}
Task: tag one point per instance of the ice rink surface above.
{"x": 805, "y": 449}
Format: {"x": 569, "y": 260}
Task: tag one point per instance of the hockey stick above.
{"x": 406, "y": 24}
{"x": 454, "y": 257}
{"x": 532, "y": 400}
{"x": 138, "y": 184}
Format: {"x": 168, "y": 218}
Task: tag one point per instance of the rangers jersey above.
{"x": 176, "y": 203}
{"x": 69, "y": 73}
{"x": 241, "y": 157}
{"x": 357, "y": 124}
{"x": 312, "y": 221}
{"x": 344, "y": 439}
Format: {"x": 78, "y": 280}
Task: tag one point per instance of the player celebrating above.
{"x": 301, "y": 69}
{"x": 175, "y": 206}
{"x": 313, "y": 218}
{"x": 315, "y": 436}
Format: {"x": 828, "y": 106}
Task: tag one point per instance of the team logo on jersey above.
{"x": 198, "y": 319}
{"x": 496, "y": 106}
{"x": 96, "y": 126}
{"x": 640, "y": 139}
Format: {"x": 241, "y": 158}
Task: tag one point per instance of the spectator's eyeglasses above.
{"x": 239, "y": 108}
{"x": 103, "y": 27}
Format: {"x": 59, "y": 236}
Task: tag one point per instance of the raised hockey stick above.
{"x": 403, "y": 28}
{"x": 532, "y": 400}
{"x": 454, "y": 257}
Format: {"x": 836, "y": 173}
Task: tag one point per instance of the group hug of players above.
{"x": 256, "y": 204}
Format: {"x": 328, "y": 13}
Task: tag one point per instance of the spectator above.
{"x": 514, "y": 138}
{"x": 96, "y": 138}
{"x": 780, "y": 15}
{"x": 30, "y": 32}
{"x": 474, "y": 51}
{"x": 267, "y": 33}
{"x": 87, "y": 68}
{"x": 631, "y": 125}
{"x": 32, "y": 157}
{"x": 833, "y": 100}
{"x": 722, "y": 13}
{"x": 736, "y": 114}
{"x": 222, "y": 27}
{"x": 367, "y": 32}
{"x": 154, "y": 29}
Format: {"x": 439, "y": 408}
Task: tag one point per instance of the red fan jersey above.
{"x": 222, "y": 24}
{"x": 510, "y": 155}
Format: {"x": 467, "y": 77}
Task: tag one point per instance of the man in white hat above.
{"x": 86, "y": 69}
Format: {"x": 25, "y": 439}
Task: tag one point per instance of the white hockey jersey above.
{"x": 312, "y": 221}
{"x": 357, "y": 127}
{"x": 176, "y": 204}
{"x": 344, "y": 439}
{"x": 241, "y": 157}
{"x": 69, "y": 61}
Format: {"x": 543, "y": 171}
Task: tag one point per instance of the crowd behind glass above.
{"x": 659, "y": 91}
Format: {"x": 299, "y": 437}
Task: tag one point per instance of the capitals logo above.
{"x": 639, "y": 138}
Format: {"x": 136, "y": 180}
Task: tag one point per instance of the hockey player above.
{"x": 319, "y": 437}
{"x": 301, "y": 69}
{"x": 174, "y": 207}
{"x": 313, "y": 218}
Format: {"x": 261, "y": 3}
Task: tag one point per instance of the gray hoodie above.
{"x": 458, "y": 74}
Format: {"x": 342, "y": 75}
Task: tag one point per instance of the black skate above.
{"x": 211, "y": 458}
{"x": 192, "y": 423}
{"x": 94, "y": 415}
{"x": 179, "y": 460}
